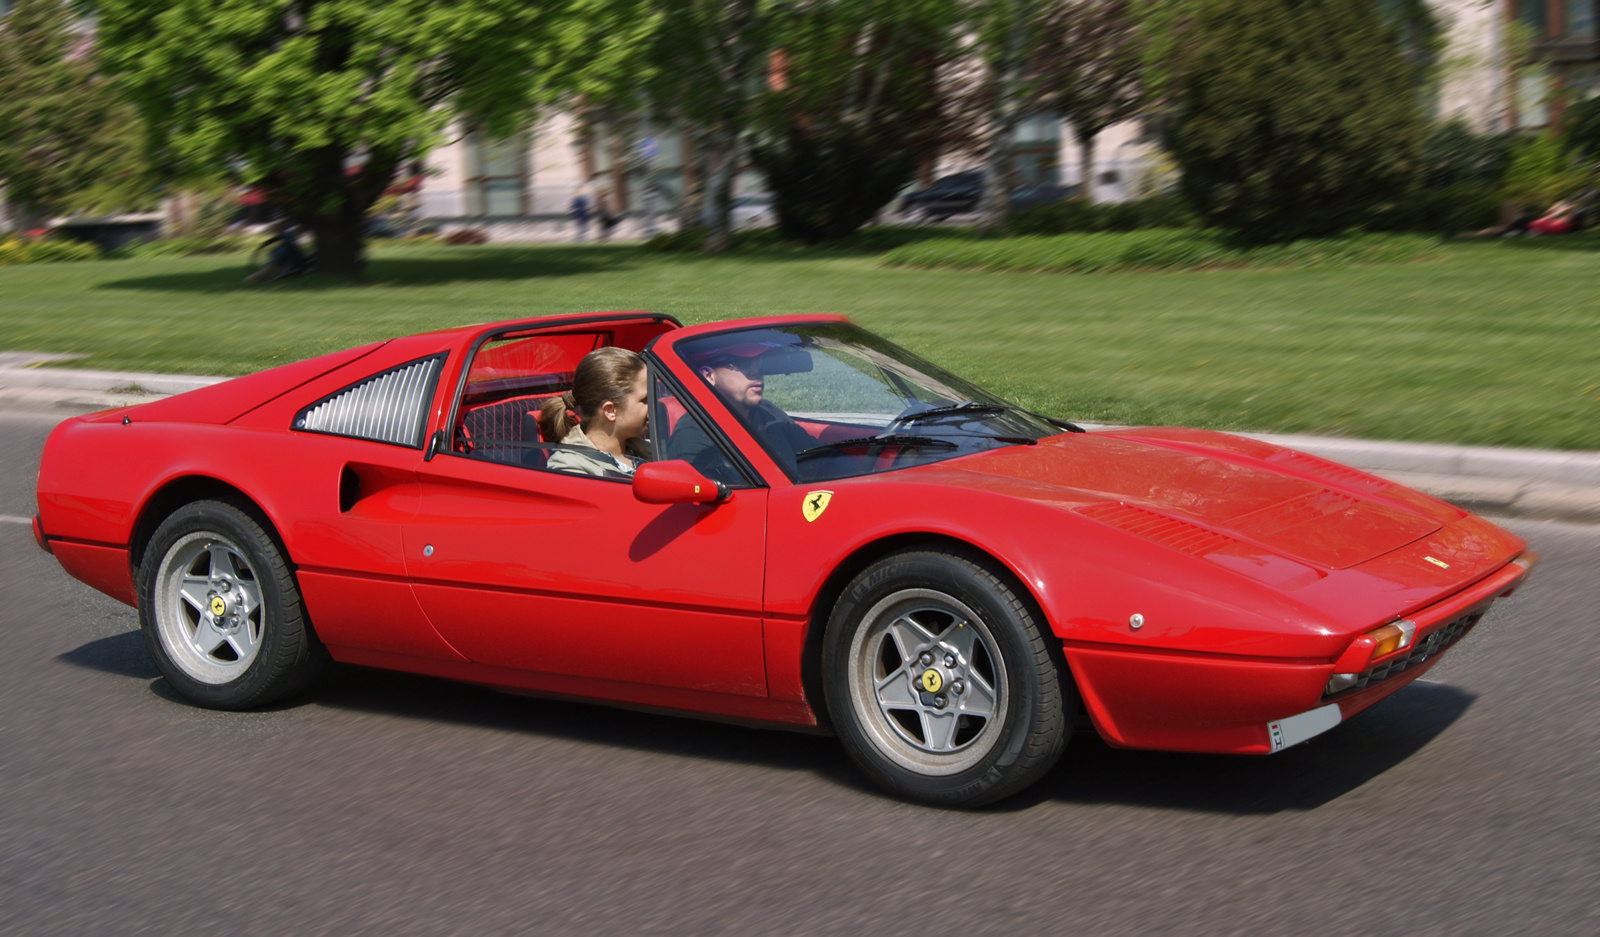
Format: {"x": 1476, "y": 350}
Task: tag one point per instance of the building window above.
{"x": 497, "y": 175}
{"x": 627, "y": 169}
{"x": 1035, "y": 151}
{"x": 1579, "y": 19}
{"x": 1534, "y": 15}
{"x": 1557, "y": 19}
{"x": 1533, "y": 99}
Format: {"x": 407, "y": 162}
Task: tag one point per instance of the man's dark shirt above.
{"x": 773, "y": 428}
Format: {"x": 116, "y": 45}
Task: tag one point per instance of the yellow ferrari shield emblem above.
{"x": 931, "y": 681}
{"x": 814, "y": 504}
{"x": 217, "y": 605}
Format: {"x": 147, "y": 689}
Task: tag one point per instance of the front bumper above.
{"x": 1181, "y": 701}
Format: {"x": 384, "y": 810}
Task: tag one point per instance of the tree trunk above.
{"x": 994, "y": 208}
{"x": 1086, "y": 161}
{"x": 338, "y": 229}
{"x": 719, "y": 184}
{"x": 694, "y": 180}
{"x": 340, "y": 247}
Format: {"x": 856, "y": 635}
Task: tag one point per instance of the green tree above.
{"x": 855, "y": 101}
{"x": 70, "y": 141}
{"x": 327, "y": 98}
{"x": 700, "y": 65}
{"x": 1007, "y": 33}
{"x": 1293, "y": 118}
{"x": 1088, "y": 68}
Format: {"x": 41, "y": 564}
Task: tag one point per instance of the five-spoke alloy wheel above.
{"x": 220, "y": 610}
{"x": 939, "y": 681}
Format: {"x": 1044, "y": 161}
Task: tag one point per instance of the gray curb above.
{"x": 1529, "y": 483}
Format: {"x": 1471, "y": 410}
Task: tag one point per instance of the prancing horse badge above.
{"x": 815, "y": 503}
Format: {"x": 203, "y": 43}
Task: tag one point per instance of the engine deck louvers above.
{"x": 389, "y": 407}
{"x": 1332, "y": 471}
{"x": 1159, "y": 528}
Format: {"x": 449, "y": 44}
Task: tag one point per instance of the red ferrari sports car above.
{"x": 832, "y": 534}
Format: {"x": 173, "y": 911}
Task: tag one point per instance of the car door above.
{"x": 570, "y": 575}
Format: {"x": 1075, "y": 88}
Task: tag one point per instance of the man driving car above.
{"x": 735, "y": 373}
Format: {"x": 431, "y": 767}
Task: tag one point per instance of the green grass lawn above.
{"x": 1492, "y": 343}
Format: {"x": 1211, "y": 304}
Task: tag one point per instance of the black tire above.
{"x": 940, "y": 683}
{"x": 258, "y": 647}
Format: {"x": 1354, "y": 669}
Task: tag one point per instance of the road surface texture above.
{"x": 390, "y": 804}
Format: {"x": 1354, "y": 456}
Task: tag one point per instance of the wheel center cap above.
{"x": 931, "y": 680}
{"x": 219, "y": 606}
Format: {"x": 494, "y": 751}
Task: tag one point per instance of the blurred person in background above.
{"x": 607, "y": 211}
{"x": 284, "y": 257}
{"x": 579, "y": 210}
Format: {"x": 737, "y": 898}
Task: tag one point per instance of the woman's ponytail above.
{"x": 558, "y": 416}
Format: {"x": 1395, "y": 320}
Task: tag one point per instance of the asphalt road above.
{"x": 389, "y": 804}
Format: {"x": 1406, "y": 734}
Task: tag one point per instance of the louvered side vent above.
{"x": 1159, "y": 528}
{"x": 1332, "y": 471}
{"x": 390, "y": 407}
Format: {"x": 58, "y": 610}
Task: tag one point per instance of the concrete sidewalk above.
{"x": 1501, "y": 482}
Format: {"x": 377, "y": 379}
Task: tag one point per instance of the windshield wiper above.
{"x": 902, "y": 439}
{"x": 965, "y": 406}
{"x": 974, "y": 406}
{"x": 895, "y": 439}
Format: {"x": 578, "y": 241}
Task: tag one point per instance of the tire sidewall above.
{"x": 254, "y": 687}
{"x": 975, "y": 586}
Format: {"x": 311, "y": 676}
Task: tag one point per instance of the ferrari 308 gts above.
{"x": 860, "y": 542}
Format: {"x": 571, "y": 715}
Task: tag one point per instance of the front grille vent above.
{"x": 1431, "y": 646}
{"x": 389, "y": 407}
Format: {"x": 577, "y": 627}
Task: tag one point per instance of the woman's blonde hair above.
{"x": 604, "y": 374}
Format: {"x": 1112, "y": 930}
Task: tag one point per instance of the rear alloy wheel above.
{"x": 939, "y": 682}
{"x": 220, "y": 610}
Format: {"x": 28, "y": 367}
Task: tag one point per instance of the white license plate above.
{"x": 1309, "y": 724}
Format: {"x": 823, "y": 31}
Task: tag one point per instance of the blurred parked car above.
{"x": 951, "y": 195}
{"x": 961, "y": 193}
{"x": 752, "y": 211}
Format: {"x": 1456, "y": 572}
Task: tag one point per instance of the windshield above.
{"x": 833, "y": 401}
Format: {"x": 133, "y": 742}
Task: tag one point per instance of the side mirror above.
{"x": 675, "y": 481}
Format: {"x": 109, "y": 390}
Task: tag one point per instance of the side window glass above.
{"x": 676, "y": 433}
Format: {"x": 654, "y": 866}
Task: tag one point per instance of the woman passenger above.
{"x": 610, "y": 397}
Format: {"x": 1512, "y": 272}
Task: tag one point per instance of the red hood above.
{"x": 1335, "y": 521}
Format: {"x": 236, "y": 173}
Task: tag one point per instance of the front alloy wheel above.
{"x": 939, "y": 681}
{"x": 927, "y": 674}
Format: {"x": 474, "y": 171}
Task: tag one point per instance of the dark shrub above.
{"x": 1465, "y": 206}
{"x": 1580, "y": 125}
{"x": 1075, "y": 215}
{"x": 1453, "y": 155}
{"x": 1294, "y": 118}
{"x": 827, "y": 185}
